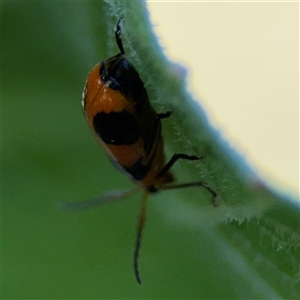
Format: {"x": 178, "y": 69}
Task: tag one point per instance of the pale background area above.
{"x": 243, "y": 64}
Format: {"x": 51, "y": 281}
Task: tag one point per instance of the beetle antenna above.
{"x": 118, "y": 36}
{"x": 141, "y": 225}
{"x": 95, "y": 202}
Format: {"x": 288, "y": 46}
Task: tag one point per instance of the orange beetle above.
{"x": 117, "y": 109}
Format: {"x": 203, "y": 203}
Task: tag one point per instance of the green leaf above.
{"x": 247, "y": 247}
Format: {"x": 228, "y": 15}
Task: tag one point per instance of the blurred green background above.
{"x": 50, "y": 155}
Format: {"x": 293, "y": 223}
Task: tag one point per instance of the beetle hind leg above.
{"x": 118, "y": 31}
{"x": 193, "y": 184}
{"x": 168, "y": 166}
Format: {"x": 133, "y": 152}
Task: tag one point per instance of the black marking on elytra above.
{"x": 116, "y": 128}
{"x": 121, "y": 75}
{"x": 138, "y": 171}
